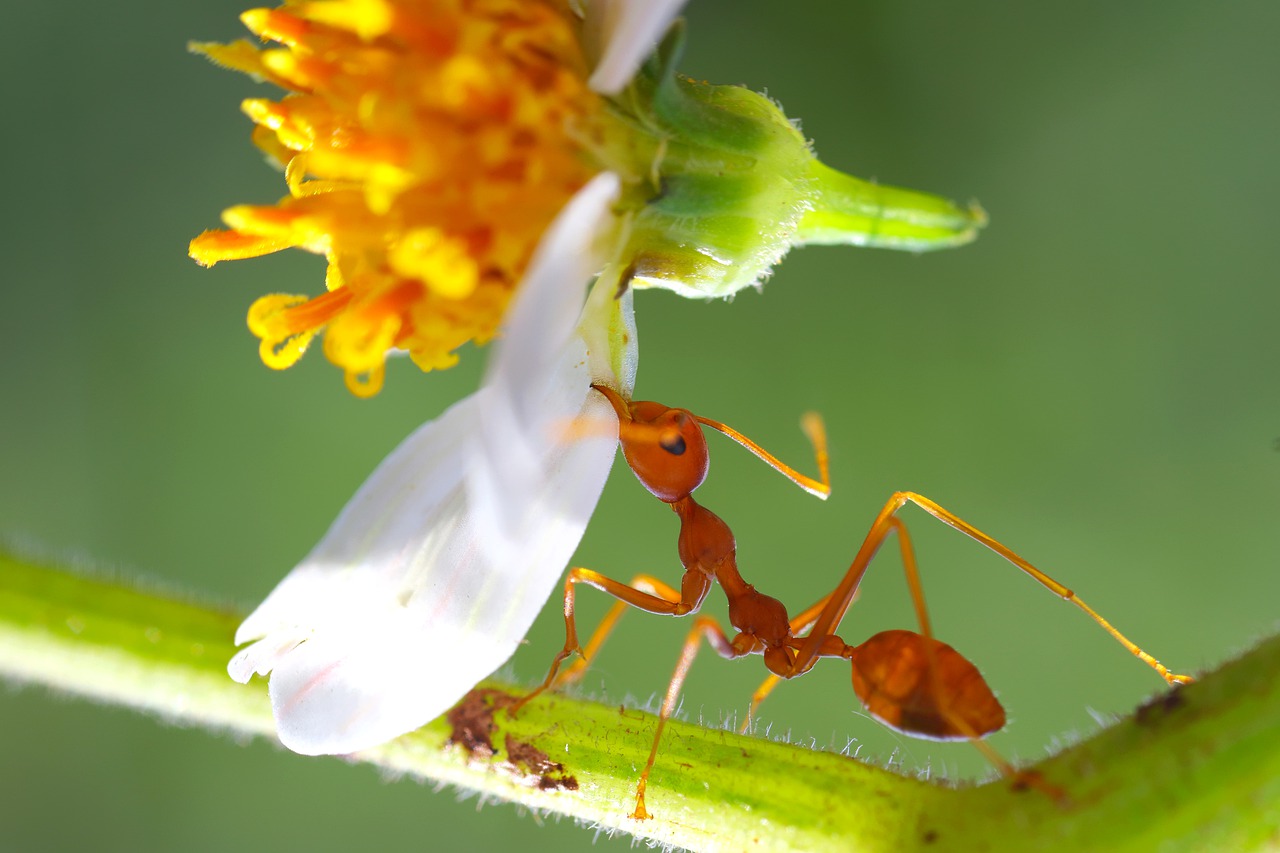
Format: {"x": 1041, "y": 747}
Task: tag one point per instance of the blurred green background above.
{"x": 1094, "y": 382}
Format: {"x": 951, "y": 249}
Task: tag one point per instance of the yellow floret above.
{"x": 427, "y": 144}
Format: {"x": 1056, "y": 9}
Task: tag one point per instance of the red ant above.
{"x": 909, "y": 681}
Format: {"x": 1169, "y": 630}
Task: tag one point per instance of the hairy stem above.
{"x": 1199, "y": 768}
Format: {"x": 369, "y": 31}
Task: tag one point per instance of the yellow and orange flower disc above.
{"x": 426, "y": 145}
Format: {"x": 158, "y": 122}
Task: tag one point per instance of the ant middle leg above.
{"x": 801, "y": 623}
{"x": 703, "y": 627}
{"x": 806, "y": 619}
{"x": 809, "y": 651}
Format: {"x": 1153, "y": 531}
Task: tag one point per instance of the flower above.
{"x": 465, "y": 165}
{"x": 457, "y": 539}
{"x": 432, "y": 574}
{"x": 426, "y": 145}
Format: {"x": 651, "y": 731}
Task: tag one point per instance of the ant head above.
{"x": 666, "y": 449}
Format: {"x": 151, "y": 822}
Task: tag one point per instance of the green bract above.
{"x": 732, "y": 185}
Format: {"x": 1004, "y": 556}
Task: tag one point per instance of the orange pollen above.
{"x": 427, "y": 144}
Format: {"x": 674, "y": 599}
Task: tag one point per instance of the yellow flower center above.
{"x": 427, "y": 144}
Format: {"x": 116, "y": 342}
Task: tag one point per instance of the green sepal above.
{"x": 722, "y": 184}
{"x": 851, "y": 211}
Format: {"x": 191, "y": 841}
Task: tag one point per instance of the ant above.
{"x": 909, "y": 681}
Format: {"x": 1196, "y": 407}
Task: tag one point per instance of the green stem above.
{"x": 1197, "y": 769}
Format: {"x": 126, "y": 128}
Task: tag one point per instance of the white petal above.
{"x": 398, "y": 611}
{"x": 533, "y": 403}
{"x": 620, "y": 34}
{"x": 402, "y": 608}
{"x": 546, "y": 308}
{"x": 346, "y": 571}
{"x": 355, "y": 659}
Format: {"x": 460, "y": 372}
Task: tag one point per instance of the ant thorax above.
{"x": 706, "y": 543}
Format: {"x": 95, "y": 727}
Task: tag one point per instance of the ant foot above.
{"x": 1026, "y": 779}
{"x": 640, "y": 813}
{"x": 513, "y": 710}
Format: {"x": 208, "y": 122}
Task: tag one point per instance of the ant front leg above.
{"x": 644, "y": 583}
{"x": 662, "y": 600}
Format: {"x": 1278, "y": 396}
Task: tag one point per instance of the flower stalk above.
{"x": 1196, "y": 768}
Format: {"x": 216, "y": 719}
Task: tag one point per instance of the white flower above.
{"x": 432, "y": 574}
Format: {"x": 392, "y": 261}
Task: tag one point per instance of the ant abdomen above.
{"x": 924, "y": 688}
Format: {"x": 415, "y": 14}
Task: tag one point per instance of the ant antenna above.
{"x": 813, "y": 429}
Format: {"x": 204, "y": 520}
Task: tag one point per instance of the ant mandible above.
{"x": 908, "y": 680}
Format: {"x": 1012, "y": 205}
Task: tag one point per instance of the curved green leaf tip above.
{"x": 1197, "y": 768}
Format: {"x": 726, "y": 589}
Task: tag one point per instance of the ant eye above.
{"x": 673, "y": 444}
